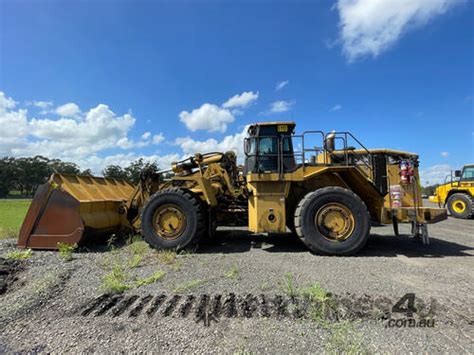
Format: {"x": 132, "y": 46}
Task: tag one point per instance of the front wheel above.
{"x": 332, "y": 221}
{"x": 173, "y": 219}
{"x": 460, "y": 206}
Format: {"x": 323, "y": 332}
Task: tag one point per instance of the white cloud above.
{"x": 68, "y": 110}
{"x": 445, "y": 154}
{"x": 368, "y": 27}
{"x": 234, "y": 142}
{"x": 80, "y": 139}
{"x": 94, "y": 138}
{"x": 42, "y": 104}
{"x": 335, "y": 108}
{"x": 209, "y": 117}
{"x": 6, "y": 102}
{"x": 13, "y": 123}
{"x": 214, "y": 118}
{"x": 242, "y": 100}
{"x": 435, "y": 174}
{"x": 280, "y": 85}
{"x": 280, "y": 106}
{"x": 158, "y": 138}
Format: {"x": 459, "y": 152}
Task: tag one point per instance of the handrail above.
{"x": 346, "y": 153}
{"x": 281, "y": 155}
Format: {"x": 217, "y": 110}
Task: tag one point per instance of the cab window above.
{"x": 267, "y": 145}
{"x": 468, "y": 173}
{"x": 287, "y": 149}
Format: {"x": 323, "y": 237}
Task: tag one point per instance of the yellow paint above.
{"x": 169, "y": 221}
{"x": 459, "y": 206}
{"x": 355, "y": 178}
{"x": 101, "y": 201}
{"x": 267, "y": 212}
{"x": 335, "y": 222}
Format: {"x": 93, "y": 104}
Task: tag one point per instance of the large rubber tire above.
{"x": 312, "y": 237}
{"x": 460, "y": 199}
{"x": 191, "y": 207}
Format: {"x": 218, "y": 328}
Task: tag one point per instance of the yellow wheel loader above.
{"x": 457, "y": 196}
{"x": 317, "y": 185}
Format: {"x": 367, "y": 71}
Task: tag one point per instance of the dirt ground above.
{"x": 246, "y": 293}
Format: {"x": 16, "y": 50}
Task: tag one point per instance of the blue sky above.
{"x": 100, "y": 82}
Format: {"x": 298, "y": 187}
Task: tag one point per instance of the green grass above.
{"x": 158, "y": 275}
{"x": 20, "y": 254}
{"x": 120, "y": 277}
{"x": 139, "y": 247}
{"x": 66, "y": 250}
{"x": 289, "y": 286}
{"x": 233, "y": 273}
{"x": 188, "y": 286}
{"x": 167, "y": 256}
{"x": 135, "y": 261}
{"x": 117, "y": 280}
{"x": 344, "y": 339}
{"x": 320, "y": 301}
{"x": 12, "y": 213}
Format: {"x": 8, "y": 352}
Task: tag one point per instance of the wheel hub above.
{"x": 335, "y": 222}
{"x": 459, "y": 206}
{"x": 169, "y": 222}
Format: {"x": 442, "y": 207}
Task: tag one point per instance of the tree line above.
{"x": 24, "y": 175}
{"x": 429, "y": 190}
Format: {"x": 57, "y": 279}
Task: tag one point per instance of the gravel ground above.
{"x": 53, "y": 305}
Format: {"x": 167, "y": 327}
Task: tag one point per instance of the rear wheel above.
{"x": 173, "y": 219}
{"x": 332, "y": 221}
{"x": 460, "y": 205}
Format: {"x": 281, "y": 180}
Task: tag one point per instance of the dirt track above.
{"x": 51, "y": 305}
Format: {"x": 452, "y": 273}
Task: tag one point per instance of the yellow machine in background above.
{"x": 317, "y": 185}
{"x": 457, "y": 196}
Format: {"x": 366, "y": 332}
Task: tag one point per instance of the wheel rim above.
{"x": 169, "y": 222}
{"x": 335, "y": 222}
{"x": 459, "y": 206}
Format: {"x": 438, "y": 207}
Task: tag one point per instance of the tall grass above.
{"x": 12, "y": 213}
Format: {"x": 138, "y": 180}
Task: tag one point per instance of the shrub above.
{"x": 66, "y": 250}
{"x": 116, "y": 281}
{"x": 20, "y": 254}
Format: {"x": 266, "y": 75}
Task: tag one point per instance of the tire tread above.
{"x": 302, "y": 205}
{"x": 197, "y": 205}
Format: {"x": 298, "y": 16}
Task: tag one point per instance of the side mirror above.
{"x": 247, "y": 146}
{"x": 457, "y": 173}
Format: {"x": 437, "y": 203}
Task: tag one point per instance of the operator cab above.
{"x": 269, "y": 148}
{"x": 467, "y": 173}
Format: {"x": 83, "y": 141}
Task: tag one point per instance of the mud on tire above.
{"x": 311, "y": 235}
{"x": 192, "y": 209}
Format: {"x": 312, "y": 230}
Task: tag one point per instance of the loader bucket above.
{"x": 73, "y": 209}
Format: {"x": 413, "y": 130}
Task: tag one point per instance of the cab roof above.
{"x": 274, "y": 123}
